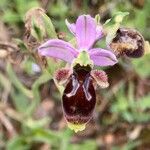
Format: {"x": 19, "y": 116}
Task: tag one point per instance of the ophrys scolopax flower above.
{"x": 80, "y": 80}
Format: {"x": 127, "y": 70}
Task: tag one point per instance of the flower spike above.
{"x": 77, "y": 85}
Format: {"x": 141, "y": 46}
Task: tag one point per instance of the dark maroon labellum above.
{"x": 79, "y": 96}
{"x": 129, "y": 42}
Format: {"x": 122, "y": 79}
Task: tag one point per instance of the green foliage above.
{"x": 130, "y": 108}
{"x": 138, "y": 18}
{"x": 141, "y": 65}
{"x": 85, "y": 145}
{"x": 59, "y": 9}
{"x": 35, "y": 90}
{"x": 15, "y": 81}
{"x": 49, "y": 26}
{"x": 128, "y": 146}
{"x": 16, "y": 15}
{"x": 17, "y": 143}
{"x": 36, "y": 32}
{"x": 34, "y": 133}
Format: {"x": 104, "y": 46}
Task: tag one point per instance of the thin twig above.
{"x": 8, "y": 45}
{"x": 10, "y": 112}
{"x": 8, "y": 125}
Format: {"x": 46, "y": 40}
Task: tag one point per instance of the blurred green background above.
{"x": 30, "y": 105}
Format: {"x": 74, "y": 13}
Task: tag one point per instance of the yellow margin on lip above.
{"x": 76, "y": 127}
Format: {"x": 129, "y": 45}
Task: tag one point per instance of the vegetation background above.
{"x": 30, "y": 105}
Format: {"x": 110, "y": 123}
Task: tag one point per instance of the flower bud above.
{"x": 38, "y": 24}
{"x": 34, "y": 23}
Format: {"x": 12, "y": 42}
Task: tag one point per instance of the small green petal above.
{"x": 83, "y": 59}
{"x": 97, "y": 19}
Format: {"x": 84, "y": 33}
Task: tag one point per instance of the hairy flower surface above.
{"x": 79, "y": 96}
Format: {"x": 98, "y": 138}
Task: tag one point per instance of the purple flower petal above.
{"x": 85, "y": 31}
{"x": 99, "y": 32}
{"x": 102, "y": 57}
{"x": 58, "y": 49}
{"x": 71, "y": 27}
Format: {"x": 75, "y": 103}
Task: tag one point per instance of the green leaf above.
{"x": 20, "y": 101}
{"x": 11, "y": 17}
{"x": 112, "y": 25}
{"x": 21, "y": 44}
{"x": 83, "y": 146}
{"x": 16, "y": 82}
{"x": 17, "y": 143}
{"x": 35, "y": 124}
{"x": 36, "y": 31}
{"x": 116, "y": 18}
{"x": 49, "y": 26}
{"x": 144, "y": 103}
{"x": 65, "y": 139}
{"x": 35, "y": 90}
{"x": 5, "y": 83}
{"x": 128, "y": 116}
{"x": 46, "y": 136}
{"x": 141, "y": 65}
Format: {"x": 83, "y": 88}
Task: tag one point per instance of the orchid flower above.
{"x": 86, "y": 32}
{"x": 80, "y": 81}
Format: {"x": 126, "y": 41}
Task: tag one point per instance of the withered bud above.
{"x": 34, "y": 14}
{"x": 129, "y": 42}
